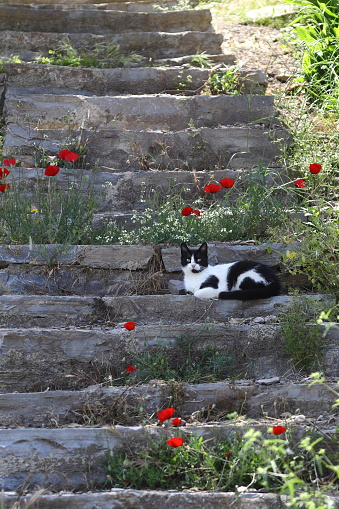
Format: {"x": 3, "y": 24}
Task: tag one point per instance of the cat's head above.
{"x": 194, "y": 260}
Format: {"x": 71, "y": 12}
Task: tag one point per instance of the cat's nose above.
{"x": 193, "y": 265}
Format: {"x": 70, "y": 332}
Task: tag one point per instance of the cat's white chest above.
{"x": 194, "y": 281}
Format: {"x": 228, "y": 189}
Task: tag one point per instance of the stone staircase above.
{"x": 62, "y": 310}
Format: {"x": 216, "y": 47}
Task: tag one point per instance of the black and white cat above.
{"x": 241, "y": 280}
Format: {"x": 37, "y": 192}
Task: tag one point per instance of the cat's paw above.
{"x": 206, "y": 293}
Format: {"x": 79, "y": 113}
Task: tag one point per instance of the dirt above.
{"x": 259, "y": 47}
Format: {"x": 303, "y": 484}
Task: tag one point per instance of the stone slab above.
{"x": 199, "y": 149}
{"x": 164, "y": 112}
{"x": 38, "y": 359}
{"x": 120, "y": 5}
{"x": 32, "y": 19}
{"x": 151, "y": 45}
{"x": 45, "y": 310}
{"x": 60, "y": 407}
{"x": 189, "y": 309}
{"x": 58, "y": 79}
{"x": 269, "y": 254}
{"x": 104, "y": 257}
{"x": 130, "y": 499}
{"x": 75, "y": 458}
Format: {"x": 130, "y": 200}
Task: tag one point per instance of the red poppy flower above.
{"x": 51, "y": 171}
{"x": 3, "y": 173}
{"x": 9, "y": 162}
{"x": 315, "y": 168}
{"x": 176, "y": 421}
{"x": 165, "y": 414}
{"x": 212, "y": 188}
{"x": 227, "y": 182}
{"x": 186, "y": 211}
{"x": 3, "y": 187}
{"x": 196, "y": 212}
{"x": 68, "y": 155}
{"x": 299, "y": 183}
{"x": 277, "y": 430}
{"x": 129, "y": 325}
{"x": 228, "y": 454}
{"x": 175, "y": 442}
{"x": 130, "y": 369}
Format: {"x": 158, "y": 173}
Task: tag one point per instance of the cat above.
{"x": 242, "y": 280}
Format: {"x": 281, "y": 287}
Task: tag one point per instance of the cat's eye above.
{"x": 188, "y": 259}
{"x": 198, "y": 259}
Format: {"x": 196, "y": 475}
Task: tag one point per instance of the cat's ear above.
{"x": 203, "y": 248}
{"x": 184, "y": 248}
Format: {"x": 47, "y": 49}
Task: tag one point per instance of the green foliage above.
{"x": 301, "y": 335}
{"x": 201, "y": 60}
{"x": 104, "y": 56}
{"x": 226, "y": 81}
{"x": 181, "y": 5}
{"x": 252, "y": 460}
{"x": 317, "y": 27}
{"x": 52, "y": 215}
{"x": 228, "y": 215}
{"x": 185, "y": 361}
{"x": 318, "y": 255}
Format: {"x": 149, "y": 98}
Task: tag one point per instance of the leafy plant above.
{"x": 317, "y": 27}
{"x": 318, "y": 255}
{"x": 181, "y": 5}
{"x": 201, "y": 60}
{"x": 301, "y": 335}
{"x": 226, "y": 81}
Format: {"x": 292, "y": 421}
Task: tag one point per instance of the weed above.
{"x": 201, "y": 60}
{"x": 51, "y": 215}
{"x": 102, "y": 55}
{"x": 226, "y": 81}
{"x": 301, "y": 335}
{"x": 250, "y": 460}
{"x": 318, "y": 255}
{"x": 183, "y": 361}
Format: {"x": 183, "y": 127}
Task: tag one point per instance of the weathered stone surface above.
{"x": 188, "y": 309}
{"x": 165, "y": 112}
{"x": 270, "y": 254}
{"x": 120, "y": 5}
{"x": 155, "y": 45}
{"x": 104, "y": 257}
{"x": 129, "y": 499}
{"x": 60, "y": 407}
{"x": 32, "y": 19}
{"x": 35, "y": 359}
{"x": 43, "y": 310}
{"x": 84, "y": 281}
{"x": 271, "y": 12}
{"x": 30, "y": 78}
{"x": 199, "y": 149}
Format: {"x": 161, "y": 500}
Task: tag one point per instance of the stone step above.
{"x": 50, "y": 311}
{"x": 235, "y": 147}
{"x": 161, "y": 112}
{"x": 129, "y": 499}
{"x": 151, "y": 45}
{"x": 39, "y": 359}
{"x": 253, "y": 400}
{"x": 120, "y": 5}
{"x": 31, "y": 79}
{"x": 100, "y": 271}
{"x": 28, "y": 18}
{"x": 75, "y": 458}
{"x": 187, "y": 309}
